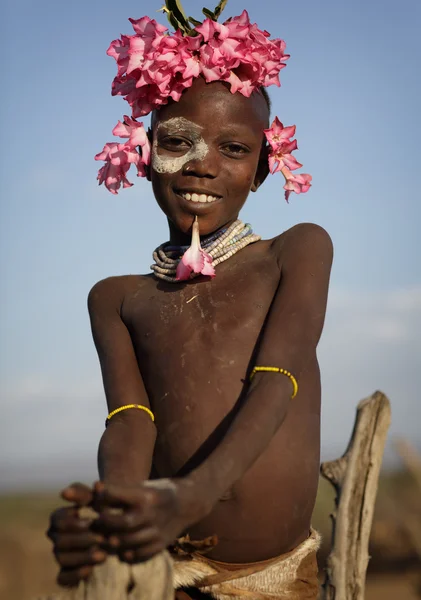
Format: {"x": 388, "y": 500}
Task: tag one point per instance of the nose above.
{"x": 208, "y": 166}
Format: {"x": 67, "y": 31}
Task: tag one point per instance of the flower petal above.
{"x": 208, "y": 268}
{"x": 183, "y": 271}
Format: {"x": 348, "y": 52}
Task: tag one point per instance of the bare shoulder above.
{"x": 303, "y": 242}
{"x": 110, "y": 293}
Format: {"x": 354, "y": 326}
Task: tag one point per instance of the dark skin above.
{"x": 226, "y": 457}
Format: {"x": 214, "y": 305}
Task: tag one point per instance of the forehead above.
{"x": 212, "y": 103}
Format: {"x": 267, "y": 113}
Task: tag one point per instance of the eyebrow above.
{"x": 235, "y": 130}
{"x": 180, "y": 124}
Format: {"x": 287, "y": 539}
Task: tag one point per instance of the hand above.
{"x": 150, "y": 516}
{"x": 77, "y": 547}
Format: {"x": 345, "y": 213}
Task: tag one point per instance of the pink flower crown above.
{"x": 154, "y": 66}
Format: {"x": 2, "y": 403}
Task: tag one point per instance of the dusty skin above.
{"x": 242, "y": 460}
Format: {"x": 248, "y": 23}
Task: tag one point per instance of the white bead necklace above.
{"x": 221, "y": 245}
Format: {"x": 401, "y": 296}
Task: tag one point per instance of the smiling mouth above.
{"x": 198, "y": 198}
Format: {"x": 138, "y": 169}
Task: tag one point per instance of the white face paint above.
{"x": 198, "y": 150}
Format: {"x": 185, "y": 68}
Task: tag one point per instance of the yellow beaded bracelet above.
{"x": 121, "y": 408}
{"x": 282, "y": 372}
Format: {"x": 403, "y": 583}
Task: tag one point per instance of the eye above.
{"x": 235, "y": 149}
{"x": 175, "y": 143}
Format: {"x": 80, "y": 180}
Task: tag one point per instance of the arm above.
{"x": 289, "y": 340}
{"x": 126, "y": 447}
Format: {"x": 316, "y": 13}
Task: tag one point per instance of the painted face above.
{"x": 205, "y": 155}
{"x": 166, "y": 163}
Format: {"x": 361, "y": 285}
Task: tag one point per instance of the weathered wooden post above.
{"x": 355, "y": 478}
{"x": 114, "y": 580}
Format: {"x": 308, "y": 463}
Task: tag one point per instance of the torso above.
{"x": 194, "y": 343}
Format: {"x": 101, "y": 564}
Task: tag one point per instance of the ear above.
{"x": 262, "y": 170}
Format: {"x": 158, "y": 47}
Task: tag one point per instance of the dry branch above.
{"x": 114, "y": 580}
{"x": 355, "y": 478}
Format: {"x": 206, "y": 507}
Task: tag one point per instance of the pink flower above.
{"x": 113, "y": 173}
{"x": 136, "y": 133}
{"x": 148, "y": 28}
{"x": 278, "y": 137}
{"x": 119, "y": 157}
{"x": 263, "y": 57}
{"x": 218, "y": 37}
{"x": 281, "y": 159}
{"x": 277, "y": 134}
{"x": 298, "y": 183}
{"x": 154, "y": 65}
{"x": 195, "y": 259}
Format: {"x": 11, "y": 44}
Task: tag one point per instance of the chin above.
{"x": 208, "y": 222}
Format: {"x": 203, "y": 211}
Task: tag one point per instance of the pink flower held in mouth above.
{"x": 195, "y": 259}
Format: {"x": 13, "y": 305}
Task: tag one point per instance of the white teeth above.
{"x": 203, "y": 198}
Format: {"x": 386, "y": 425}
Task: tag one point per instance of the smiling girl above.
{"x": 209, "y": 362}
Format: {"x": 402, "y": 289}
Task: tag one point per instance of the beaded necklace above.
{"x": 221, "y": 245}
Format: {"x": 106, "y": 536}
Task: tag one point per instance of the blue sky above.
{"x": 352, "y": 87}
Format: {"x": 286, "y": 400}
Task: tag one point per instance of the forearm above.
{"x": 126, "y": 448}
{"x": 251, "y": 432}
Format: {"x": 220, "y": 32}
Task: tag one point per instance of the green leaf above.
{"x": 194, "y": 22}
{"x": 220, "y": 8}
{"x": 184, "y": 27}
{"x": 174, "y": 22}
{"x": 209, "y": 14}
{"x": 176, "y": 8}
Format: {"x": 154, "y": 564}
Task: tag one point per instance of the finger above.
{"x": 76, "y": 541}
{"x": 93, "y": 556}
{"x": 78, "y": 493}
{"x": 71, "y": 577}
{"x": 117, "y": 496}
{"x": 142, "y": 554}
{"x": 65, "y": 512}
{"x": 134, "y": 540}
{"x": 67, "y": 519}
{"x": 109, "y": 522}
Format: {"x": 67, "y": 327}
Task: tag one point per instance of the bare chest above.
{"x": 194, "y": 344}
{"x": 183, "y": 333}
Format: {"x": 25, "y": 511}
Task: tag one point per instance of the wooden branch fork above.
{"x": 354, "y": 477}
